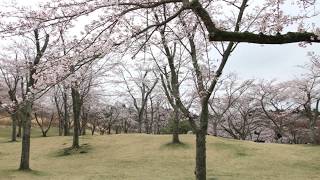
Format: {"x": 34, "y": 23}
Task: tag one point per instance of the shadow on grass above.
{"x": 9, "y": 142}
{"x": 217, "y": 176}
{"x": 14, "y": 172}
{"x": 83, "y": 149}
{"x": 236, "y": 149}
{"x": 311, "y": 145}
{"x": 171, "y": 145}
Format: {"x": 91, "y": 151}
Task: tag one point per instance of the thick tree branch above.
{"x": 290, "y": 37}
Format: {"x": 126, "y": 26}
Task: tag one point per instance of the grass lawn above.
{"x": 149, "y": 157}
{"x": 5, "y": 133}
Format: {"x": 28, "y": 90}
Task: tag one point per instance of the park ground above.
{"x": 150, "y": 157}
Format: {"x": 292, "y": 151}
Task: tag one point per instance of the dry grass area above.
{"x": 5, "y": 119}
{"x": 149, "y": 157}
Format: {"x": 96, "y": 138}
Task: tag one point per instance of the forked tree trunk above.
{"x": 26, "y": 127}
{"x": 41, "y": 125}
{"x": 76, "y": 116}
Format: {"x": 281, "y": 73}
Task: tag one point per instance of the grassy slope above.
{"x": 147, "y": 157}
{"x": 5, "y": 132}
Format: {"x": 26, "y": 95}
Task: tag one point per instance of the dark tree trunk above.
{"x": 200, "y": 155}
{"x": 84, "y": 121}
{"x": 158, "y": 123}
{"x": 175, "y": 135}
{"x": 146, "y": 120}
{"x": 27, "y": 109}
{"x": 41, "y": 125}
{"x": 60, "y": 115}
{"x": 201, "y": 142}
{"x": 215, "y": 132}
{"x": 83, "y": 132}
{"x": 109, "y": 129}
{"x": 14, "y": 118}
{"x": 19, "y": 125}
{"x": 60, "y": 126}
{"x": 93, "y": 130}
{"x": 102, "y": 132}
{"x": 117, "y": 129}
{"x": 26, "y": 126}
{"x": 76, "y": 116}
{"x": 125, "y": 129}
{"x": 140, "y": 121}
{"x": 66, "y": 114}
{"x": 151, "y": 117}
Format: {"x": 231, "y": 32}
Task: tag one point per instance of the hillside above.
{"x": 148, "y": 157}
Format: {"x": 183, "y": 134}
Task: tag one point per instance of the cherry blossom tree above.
{"x": 44, "y": 114}
{"x": 145, "y": 87}
{"x": 242, "y": 119}
{"x": 307, "y": 95}
{"x": 277, "y": 104}
{"x": 10, "y": 71}
{"x": 61, "y": 97}
{"x": 263, "y": 22}
{"x": 227, "y": 93}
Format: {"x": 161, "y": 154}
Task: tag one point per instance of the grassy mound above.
{"x": 151, "y": 157}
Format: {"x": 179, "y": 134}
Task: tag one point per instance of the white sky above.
{"x": 269, "y": 61}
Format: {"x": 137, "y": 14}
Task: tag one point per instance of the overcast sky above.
{"x": 269, "y": 61}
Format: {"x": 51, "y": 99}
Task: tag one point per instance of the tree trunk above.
{"x": 76, "y": 116}
{"x": 14, "y": 118}
{"x": 109, "y": 129}
{"x": 201, "y": 143}
{"x": 200, "y": 155}
{"x": 60, "y": 126}
{"x": 60, "y": 115}
{"x": 26, "y": 126}
{"x": 117, "y": 129}
{"x": 44, "y": 134}
{"x": 215, "y": 125}
{"x": 140, "y": 122}
{"x": 19, "y": 124}
{"x": 175, "y": 128}
{"x": 313, "y": 132}
{"x": 125, "y": 129}
{"x": 66, "y": 115}
{"x": 84, "y": 131}
{"x": 93, "y": 130}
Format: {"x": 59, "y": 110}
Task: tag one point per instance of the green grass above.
{"x": 5, "y": 132}
{"x": 150, "y": 157}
